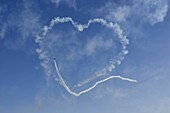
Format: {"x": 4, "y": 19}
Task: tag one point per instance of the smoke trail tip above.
{"x": 54, "y": 59}
{"x": 135, "y": 81}
{"x": 132, "y": 80}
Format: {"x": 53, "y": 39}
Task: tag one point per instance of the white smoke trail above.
{"x": 90, "y": 88}
{"x": 43, "y": 53}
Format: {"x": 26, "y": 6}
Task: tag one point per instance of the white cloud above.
{"x": 71, "y": 3}
{"x": 25, "y": 23}
{"x": 152, "y": 11}
{"x": 3, "y": 25}
{"x": 97, "y": 43}
{"x": 113, "y": 92}
{"x": 145, "y": 11}
{"x": 2, "y": 31}
{"x": 119, "y": 14}
{"x": 39, "y": 101}
{"x": 29, "y": 21}
{"x": 56, "y": 2}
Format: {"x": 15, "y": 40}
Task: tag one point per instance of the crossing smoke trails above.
{"x": 112, "y": 64}
{"x": 90, "y": 88}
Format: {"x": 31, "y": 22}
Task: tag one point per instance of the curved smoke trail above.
{"x": 80, "y": 27}
{"x": 90, "y": 88}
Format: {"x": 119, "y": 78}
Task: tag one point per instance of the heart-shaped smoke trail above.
{"x": 113, "y": 63}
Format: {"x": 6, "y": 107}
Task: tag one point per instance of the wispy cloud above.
{"x": 39, "y": 101}
{"x": 151, "y": 11}
{"x": 3, "y": 25}
{"x": 25, "y": 23}
{"x": 71, "y": 3}
{"x": 95, "y": 43}
{"x": 146, "y": 11}
{"x": 2, "y": 31}
{"x": 112, "y": 91}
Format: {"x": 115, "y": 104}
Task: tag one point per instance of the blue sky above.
{"x": 29, "y": 82}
